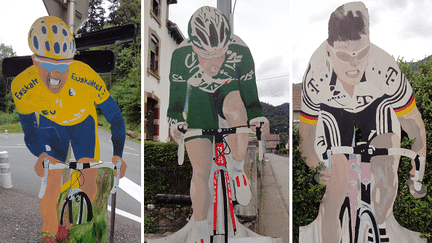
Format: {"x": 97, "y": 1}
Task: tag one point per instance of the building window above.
{"x": 154, "y": 54}
{"x": 152, "y": 120}
{"x": 155, "y": 10}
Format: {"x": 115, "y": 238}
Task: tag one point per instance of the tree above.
{"x": 6, "y": 103}
{"x": 124, "y": 82}
{"x": 96, "y": 19}
{"x": 126, "y": 77}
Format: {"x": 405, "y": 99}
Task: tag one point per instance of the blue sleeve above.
{"x": 31, "y": 134}
{"x": 113, "y": 115}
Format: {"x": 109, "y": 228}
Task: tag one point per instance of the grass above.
{"x": 12, "y": 128}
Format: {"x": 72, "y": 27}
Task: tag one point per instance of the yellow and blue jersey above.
{"x": 69, "y": 115}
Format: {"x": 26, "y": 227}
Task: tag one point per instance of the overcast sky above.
{"x": 16, "y": 18}
{"x": 263, "y": 25}
{"x": 403, "y": 28}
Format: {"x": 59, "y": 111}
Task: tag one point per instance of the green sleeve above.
{"x": 179, "y": 74}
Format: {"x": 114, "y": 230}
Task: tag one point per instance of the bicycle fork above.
{"x": 222, "y": 173}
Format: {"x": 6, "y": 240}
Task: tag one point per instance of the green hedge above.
{"x": 307, "y": 193}
{"x": 163, "y": 175}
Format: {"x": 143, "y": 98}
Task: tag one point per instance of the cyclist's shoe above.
{"x": 416, "y": 189}
{"x": 242, "y": 189}
{"x": 202, "y": 232}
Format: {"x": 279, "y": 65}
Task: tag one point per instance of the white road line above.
{"x": 126, "y": 214}
{"x": 13, "y": 147}
{"x": 132, "y": 189}
{"x": 131, "y": 153}
{"x": 129, "y": 148}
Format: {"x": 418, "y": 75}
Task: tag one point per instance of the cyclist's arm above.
{"x": 113, "y": 115}
{"x": 179, "y": 74}
{"x": 247, "y": 80}
{"x": 307, "y": 139}
{"x": 31, "y": 134}
{"x": 412, "y": 123}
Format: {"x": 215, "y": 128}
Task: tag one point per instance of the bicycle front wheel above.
{"x": 367, "y": 228}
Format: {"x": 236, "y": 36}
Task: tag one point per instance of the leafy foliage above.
{"x": 416, "y": 214}
{"x": 279, "y": 120}
{"x": 162, "y": 175}
{"x": 6, "y": 101}
{"x": 96, "y": 19}
{"x": 124, "y": 83}
{"x": 307, "y": 193}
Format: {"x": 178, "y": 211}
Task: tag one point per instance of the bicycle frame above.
{"x": 220, "y": 172}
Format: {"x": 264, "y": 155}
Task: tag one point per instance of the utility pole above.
{"x": 225, "y": 7}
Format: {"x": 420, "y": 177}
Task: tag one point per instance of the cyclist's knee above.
{"x": 234, "y": 110}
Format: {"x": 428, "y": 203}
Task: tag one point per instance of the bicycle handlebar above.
{"x": 367, "y": 151}
{"x": 78, "y": 167}
{"x": 215, "y": 132}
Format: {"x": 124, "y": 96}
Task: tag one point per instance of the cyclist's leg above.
{"x": 48, "y": 204}
{"x": 200, "y": 152}
{"x": 336, "y": 188}
{"x": 85, "y": 144}
{"x": 335, "y": 128}
{"x": 384, "y": 176}
{"x": 56, "y": 143}
{"x": 235, "y": 114}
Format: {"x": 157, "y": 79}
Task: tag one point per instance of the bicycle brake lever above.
{"x": 117, "y": 178}
{"x": 42, "y": 190}
{"x": 180, "y": 152}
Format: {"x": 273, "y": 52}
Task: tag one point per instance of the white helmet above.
{"x": 209, "y": 29}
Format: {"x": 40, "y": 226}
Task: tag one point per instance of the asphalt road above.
{"x": 20, "y": 219}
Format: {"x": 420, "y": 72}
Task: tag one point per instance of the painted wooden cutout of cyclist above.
{"x": 212, "y": 74}
{"x": 64, "y": 93}
{"x": 351, "y": 82}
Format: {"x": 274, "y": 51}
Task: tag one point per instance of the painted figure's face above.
{"x": 211, "y": 65}
{"x": 349, "y": 59}
{"x": 53, "y": 73}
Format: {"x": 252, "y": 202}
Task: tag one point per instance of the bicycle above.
{"x": 356, "y": 214}
{"x": 221, "y": 173}
{"x": 76, "y": 194}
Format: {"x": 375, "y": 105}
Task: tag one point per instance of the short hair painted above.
{"x": 348, "y": 22}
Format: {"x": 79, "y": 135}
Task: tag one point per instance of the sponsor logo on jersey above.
{"x": 86, "y": 81}
{"x": 26, "y": 88}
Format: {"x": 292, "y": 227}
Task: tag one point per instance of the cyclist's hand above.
{"x": 323, "y": 176}
{"x": 39, "y": 169}
{"x": 416, "y": 188}
{"x": 175, "y": 133}
{"x": 123, "y": 165}
{"x": 256, "y": 122}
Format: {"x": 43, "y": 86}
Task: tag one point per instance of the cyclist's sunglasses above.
{"x": 49, "y": 66}
{"x": 346, "y": 57}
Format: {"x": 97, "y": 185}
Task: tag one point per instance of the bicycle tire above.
{"x": 225, "y": 204}
{"x": 345, "y": 223}
{"x": 68, "y": 202}
{"x": 367, "y": 225}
